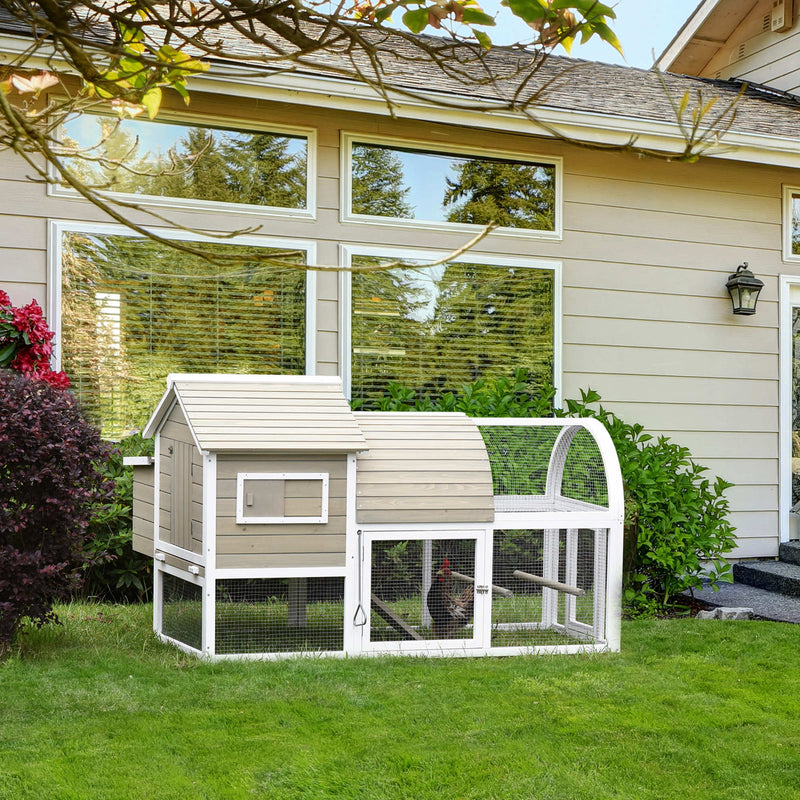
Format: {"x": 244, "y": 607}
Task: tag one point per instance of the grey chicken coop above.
{"x": 281, "y": 522}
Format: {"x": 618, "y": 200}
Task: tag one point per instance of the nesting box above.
{"x": 281, "y": 522}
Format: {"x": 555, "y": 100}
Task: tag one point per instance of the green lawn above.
{"x": 99, "y": 709}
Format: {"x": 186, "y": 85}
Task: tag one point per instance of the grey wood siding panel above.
{"x": 278, "y": 545}
{"x": 143, "y": 509}
{"x": 401, "y": 444}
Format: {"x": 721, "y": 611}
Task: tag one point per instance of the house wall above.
{"x": 257, "y": 546}
{"x": 646, "y": 250}
{"x": 180, "y": 485}
{"x": 754, "y": 53}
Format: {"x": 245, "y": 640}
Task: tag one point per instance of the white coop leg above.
{"x": 427, "y": 579}
{"x": 600, "y": 577}
{"x": 298, "y": 599}
{"x": 571, "y": 574}
{"x": 550, "y": 571}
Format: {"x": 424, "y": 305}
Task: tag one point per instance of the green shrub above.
{"x": 116, "y": 572}
{"x": 676, "y": 527}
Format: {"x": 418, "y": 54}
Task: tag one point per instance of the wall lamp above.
{"x": 744, "y": 288}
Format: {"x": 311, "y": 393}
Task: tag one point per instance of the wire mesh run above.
{"x": 548, "y": 587}
{"x": 545, "y": 468}
{"x": 279, "y": 615}
{"x": 182, "y": 611}
{"x": 422, "y": 589}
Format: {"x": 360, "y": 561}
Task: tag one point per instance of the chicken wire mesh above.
{"x": 520, "y": 456}
{"x": 421, "y": 589}
{"x": 182, "y": 611}
{"x": 547, "y": 587}
{"x": 279, "y": 615}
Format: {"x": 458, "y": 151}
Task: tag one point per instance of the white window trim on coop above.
{"x": 242, "y": 497}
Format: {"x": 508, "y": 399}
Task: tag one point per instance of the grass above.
{"x": 99, "y": 709}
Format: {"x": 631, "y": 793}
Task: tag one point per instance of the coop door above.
{"x": 424, "y": 594}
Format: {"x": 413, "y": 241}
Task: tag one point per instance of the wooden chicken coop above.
{"x": 281, "y": 523}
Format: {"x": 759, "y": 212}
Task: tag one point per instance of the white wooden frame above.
{"x": 432, "y": 148}
{"x": 57, "y": 228}
{"x": 788, "y": 223}
{"x": 477, "y": 644}
{"x": 56, "y": 189}
{"x": 243, "y": 519}
{"x": 789, "y": 298}
{"x": 348, "y": 251}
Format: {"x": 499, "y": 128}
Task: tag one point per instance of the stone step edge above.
{"x": 759, "y": 574}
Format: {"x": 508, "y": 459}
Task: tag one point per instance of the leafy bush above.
{"x": 50, "y": 484}
{"x": 676, "y": 527}
{"x": 115, "y": 571}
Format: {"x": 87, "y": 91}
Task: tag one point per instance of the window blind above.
{"x": 134, "y": 310}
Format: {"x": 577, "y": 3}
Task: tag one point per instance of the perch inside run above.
{"x": 282, "y": 523}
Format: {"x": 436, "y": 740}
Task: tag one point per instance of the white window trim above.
{"x": 346, "y": 214}
{"x": 348, "y": 251}
{"x": 242, "y": 518}
{"x": 789, "y": 296}
{"x": 56, "y": 189}
{"x": 57, "y": 228}
{"x": 786, "y": 233}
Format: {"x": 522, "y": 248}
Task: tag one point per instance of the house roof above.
{"x": 262, "y": 413}
{"x": 587, "y": 101}
{"x": 708, "y": 28}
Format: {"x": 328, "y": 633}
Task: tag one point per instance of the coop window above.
{"x": 281, "y": 497}
{"x": 130, "y": 310}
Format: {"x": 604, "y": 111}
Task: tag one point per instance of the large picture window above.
{"x": 133, "y": 310}
{"x": 436, "y": 328}
{"x": 268, "y": 170}
{"x": 390, "y": 181}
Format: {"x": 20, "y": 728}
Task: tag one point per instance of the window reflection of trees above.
{"x": 434, "y": 329}
{"x": 173, "y": 313}
{"x": 452, "y": 188}
{"x": 200, "y": 163}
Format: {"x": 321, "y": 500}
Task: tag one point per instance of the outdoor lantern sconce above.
{"x": 744, "y": 288}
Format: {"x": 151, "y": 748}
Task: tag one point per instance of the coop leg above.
{"x": 550, "y": 571}
{"x": 571, "y": 573}
{"x": 298, "y": 599}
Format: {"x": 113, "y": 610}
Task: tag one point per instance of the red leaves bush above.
{"x": 50, "y": 486}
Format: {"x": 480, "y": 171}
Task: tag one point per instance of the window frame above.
{"x": 242, "y": 518}
{"x": 57, "y": 228}
{"x": 788, "y": 219}
{"x": 347, "y": 215}
{"x": 348, "y": 251}
{"x": 56, "y": 189}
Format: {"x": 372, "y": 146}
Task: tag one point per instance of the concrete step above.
{"x": 790, "y": 552}
{"x": 772, "y": 576}
{"x": 765, "y": 605}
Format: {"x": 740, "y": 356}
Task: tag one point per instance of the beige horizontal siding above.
{"x": 274, "y": 545}
{"x": 389, "y": 486}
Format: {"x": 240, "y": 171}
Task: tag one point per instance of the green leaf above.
{"x": 151, "y": 100}
{"x": 527, "y": 10}
{"x": 474, "y": 16}
{"x": 416, "y": 21}
{"x": 7, "y": 354}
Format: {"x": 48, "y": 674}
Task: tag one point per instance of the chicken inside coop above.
{"x": 451, "y": 608}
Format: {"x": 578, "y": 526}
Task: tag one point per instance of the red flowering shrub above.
{"x": 25, "y": 342}
{"x": 51, "y": 485}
